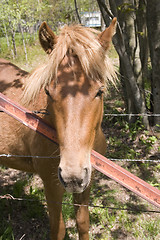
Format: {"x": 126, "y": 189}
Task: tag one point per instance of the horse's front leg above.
{"x": 47, "y": 170}
{"x": 54, "y": 193}
{"x": 82, "y": 213}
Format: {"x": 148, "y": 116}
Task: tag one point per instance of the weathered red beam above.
{"x": 26, "y": 117}
{"x": 99, "y": 162}
{"x": 125, "y": 178}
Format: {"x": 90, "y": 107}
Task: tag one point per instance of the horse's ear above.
{"x": 105, "y": 37}
{"x": 47, "y": 38}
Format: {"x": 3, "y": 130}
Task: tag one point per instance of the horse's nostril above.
{"x": 86, "y": 176}
{"x": 60, "y": 176}
{"x": 59, "y": 172}
{"x": 79, "y": 182}
{"x": 86, "y": 172}
{"x": 59, "y": 169}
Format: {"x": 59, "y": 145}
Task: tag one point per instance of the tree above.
{"x": 19, "y": 17}
{"x": 153, "y": 24}
{"x": 9, "y": 22}
{"x": 127, "y": 45}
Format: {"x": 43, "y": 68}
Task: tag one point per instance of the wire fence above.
{"x": 112, "y": 159}
{"x": 45, "y": 112}
{"x": 131, "y": 114}
{"x": 130, "y": 210}
{"x": 27, "y": 156}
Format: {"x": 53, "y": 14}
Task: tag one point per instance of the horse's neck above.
{"x": 39, "y": 103}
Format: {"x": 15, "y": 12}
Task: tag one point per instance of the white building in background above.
{"x": 91, "y": 19}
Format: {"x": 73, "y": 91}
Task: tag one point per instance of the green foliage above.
{"x": 29, "y": 210}
{"x": 20, "y": 20}
{"x": 126, "y": 8}
{"x": 148, "y": 141}
{"x": 66, "y": 208}
{"x": 146, "y": 229}
{"x": 7, "y": 232}
{"x": 18, "y": 188}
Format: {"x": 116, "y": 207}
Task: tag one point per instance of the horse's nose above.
{"x": 74, "y": 183}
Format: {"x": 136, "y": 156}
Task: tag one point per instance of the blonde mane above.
{"x": 85, "y": 45}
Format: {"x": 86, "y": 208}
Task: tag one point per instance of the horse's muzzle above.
{"x": 73, "y": 183}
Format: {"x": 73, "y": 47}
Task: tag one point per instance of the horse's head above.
{"x": 75, "y": 96}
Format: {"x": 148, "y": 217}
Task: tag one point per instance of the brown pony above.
{"x": 70, "y": 85}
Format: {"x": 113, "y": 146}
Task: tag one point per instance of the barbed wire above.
{"x": 10, "y": 197}
{"x": 135, "y": 160}
{"x": 112, "y": 159}
{"x": 45, "y": 112}
{"x": 132, "y": 114}
{"x": 26, "y": 156}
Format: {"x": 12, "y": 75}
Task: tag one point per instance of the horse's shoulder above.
{"x": 6, "y": 65}
{"x": 10, "y": 75}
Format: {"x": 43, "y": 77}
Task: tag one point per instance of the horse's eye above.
{"x": 46, "y": 91}
{"x": 100, "y": 92}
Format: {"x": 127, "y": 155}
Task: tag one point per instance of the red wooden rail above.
{"x": 99, "y": 162}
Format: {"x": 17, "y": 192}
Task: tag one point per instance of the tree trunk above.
{"x": 153, "y": 24}
{"x": 24, "y": 45}
{"x": 135, "y": 101}
{"x": 127, "y": 19}
{"x": 5, "y": 30}
{"x": 142, "y": 35}
{"x": 13, "y": 38}
{"x": 77, "y": 13}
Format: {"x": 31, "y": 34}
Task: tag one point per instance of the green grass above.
{"x": 7, "y": 233}
{"x": 105, "y": 224}
{"x": 16, "y": 215}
